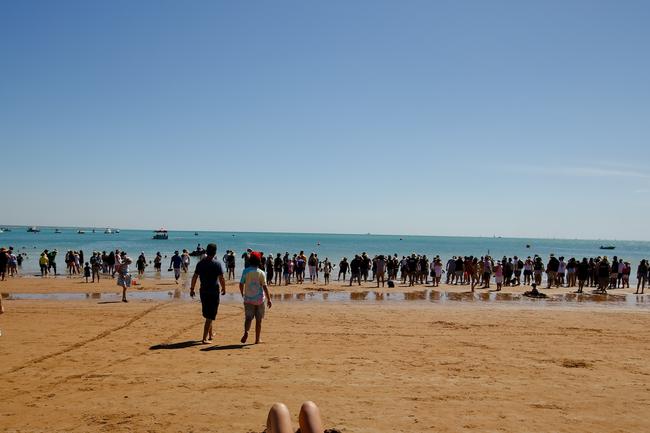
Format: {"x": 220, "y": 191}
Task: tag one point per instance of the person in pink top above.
{"x": 498, "y": 276}
{"x": 255, "y": 292}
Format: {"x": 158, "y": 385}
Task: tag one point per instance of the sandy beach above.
{"x": 97, "y": 365}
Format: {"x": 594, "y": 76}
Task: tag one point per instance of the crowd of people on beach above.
{"x": 482, "y": 272}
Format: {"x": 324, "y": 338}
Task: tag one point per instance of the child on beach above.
{"x": 327, "y": 269}
{"x": 253, "y": 289}
{"x": 87, "y": 271}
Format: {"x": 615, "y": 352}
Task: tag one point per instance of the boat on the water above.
{"x": 57, "y": 231}
{"x": 196, "y": 233}
{"x": 197, "y": 253}
{"x": 607, "y": 247}
{"x": 33, "y": 230}
{"x": 160, "y": 234}
{"x": 81, "y": 232}
{"x": 117, "y": 231}
{"x": 108, "y": 231}
{"x": 5, "y": 229}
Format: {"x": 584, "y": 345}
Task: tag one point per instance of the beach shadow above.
{"x": 227, "y": 347}
{"x": 110, "y": 302}
{"x": 179, "y": 345}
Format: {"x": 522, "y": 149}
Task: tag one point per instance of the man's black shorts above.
{"x": 209, "y": 304}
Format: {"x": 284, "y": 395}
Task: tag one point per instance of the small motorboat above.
{"x": 33, "y": 230}
{"x": 5, "y": 229}
{"x": 196, "y": 233}
{"x": 108, "y": 231}
{"x": 160, "y": 234}
{"x": 197, "y": 253}
{"x": 57, "y": 231}
{"x": 81, "y": 232}
{"x": 116, "y": 231}
{"x": 607, "y": 247}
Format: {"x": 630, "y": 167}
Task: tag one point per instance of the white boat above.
{"x": 160, "y": 234}
{"x": 81, "y": 232}
{"x": 57, "y": 231}
{"x": 117, "y": 231}
{"x": 108, "y": 232}
{"x": 33, "y": 230}
{"x": 5, "y": 229}
{"x": 2, "y": 231}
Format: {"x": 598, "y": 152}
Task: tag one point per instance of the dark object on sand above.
{"x": 535, "y": 294}
{"x": 391, "y": 284}
{"x": 327, "y": 430}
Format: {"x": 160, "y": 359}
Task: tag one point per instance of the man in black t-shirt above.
{"x": 551, "y": 271}
{"x": 210, "y": 272}
{"x": 365, "y": 266}
{"x": 355, "y": 269}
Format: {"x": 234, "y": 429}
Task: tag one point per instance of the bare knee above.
{"x": 279, "y": 419}
{"x": 309, "y": 418}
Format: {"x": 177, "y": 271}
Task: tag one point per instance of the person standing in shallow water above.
{"x": 210, "y": 272}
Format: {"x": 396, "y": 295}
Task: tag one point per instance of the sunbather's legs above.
{"x": 279, "y": 419}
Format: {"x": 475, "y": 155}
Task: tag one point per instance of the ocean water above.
{"x": 332, "y": 246}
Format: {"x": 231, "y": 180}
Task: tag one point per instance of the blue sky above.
{"x": 513, "y": 118}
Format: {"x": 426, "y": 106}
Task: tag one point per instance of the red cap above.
{"x": 257, "y": 255}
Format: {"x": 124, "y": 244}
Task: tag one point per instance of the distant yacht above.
{"x": 160, "y": 234}
{"x": 57, "y": 231}
{"x": 81, "y": 232}
{"x": 108, "y": 231}
{"x": 5, "y": 229}
{"x": 33, "y": 230}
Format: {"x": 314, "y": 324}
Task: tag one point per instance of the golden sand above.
{"x": 86, "y": 366}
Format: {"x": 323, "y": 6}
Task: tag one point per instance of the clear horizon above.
{"x": 420, "y": 118}
{"x": 90, "y": 227}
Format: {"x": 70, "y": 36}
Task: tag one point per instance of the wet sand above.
{"x": 76, "y": 284}
{"x": 88, "y": 366}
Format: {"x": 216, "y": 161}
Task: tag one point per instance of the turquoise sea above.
{"x": 333, "y": 246}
